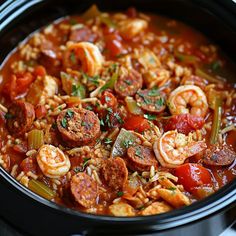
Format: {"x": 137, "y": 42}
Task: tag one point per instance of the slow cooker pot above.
{"x": 37, "y": 216}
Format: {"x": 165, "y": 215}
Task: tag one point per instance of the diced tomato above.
{"x": 184, "y": 123}
{"x": 114, "y": 45}
{"x": 136, "y": 123}
{"x": 39, "y": 71}
{"x": 20, "y": 148}
{"x": 29, "y": 164}
{"x": 40, "y": 111}
{"x": 18, "y": 84}
{"x": 76, "y": 161}
{"x": 192, "y": 176}
{"x": 109, "y": 99}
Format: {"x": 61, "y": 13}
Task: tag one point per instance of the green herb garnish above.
{"x": 70, "y": 113}
{"x": 64, "y": 122}
{"x": 8, "y": 116}
{"x": 215, "y": 65}
{"x": 78, "y": 90}
{"x": 153, "y": 92}
{"x": 117, "y": 116}
{"x": 160, "y": 102}
{"x": 171, "y": 188}
{"x": 102, "y": 122}
{"x": 107, "y": 141}
{"x": 146, "y": 100}
{"x": 138, "y": 152}
{"x": 73, "y": 57}
{"x": 127, "y": 143}
{"x": 120, "y": 194}
{"x": 150, "y": 116}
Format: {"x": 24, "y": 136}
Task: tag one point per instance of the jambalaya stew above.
{"x": 121, "y": 114}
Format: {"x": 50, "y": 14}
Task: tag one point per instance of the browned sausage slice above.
{"x": 115, "y": 172}
{"x": 78, "y": 126}
{"x": 151, "y": 100}
{"x": 84, "y": 189}
{"x": 83, "y": 34}
{"x": 140, "y": 158}
{"x": 128, "y": 83}
{"x": 21, "y": 117}
{"x": 219, "y": 155}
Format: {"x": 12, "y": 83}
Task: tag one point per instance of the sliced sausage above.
{"x": 84, "y": 189}
{"x": 219, "y": 155}
{"x": 140, "y": 158}
{"x": 128, "y": 83}
{"x": 83, "y": 34}
{"x": 115, "y": 173}
{"x": 50, "y": 57}
{"x": 78, "y": 126}
{"x": 21, "y": 117}
{"x": 151, "y": 100}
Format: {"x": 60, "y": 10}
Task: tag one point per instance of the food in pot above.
{"x": 123, "y": 114}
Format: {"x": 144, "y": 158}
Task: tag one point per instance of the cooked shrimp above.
{"x": 173, "y": 148}
{"x": 188, "y": 96}
{"x": 86, "y": 55}
{"x": 130, "y": 28}
{"x": 52, "y": 161}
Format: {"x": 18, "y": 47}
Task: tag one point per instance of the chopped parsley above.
{"x": 54, "y": 125}
{"x": 107, "y": 99}
{"x": 138, "y": 152}
{"x": 8, "y": 116}
{"x": 64, "y": 122}
{"x": 86, "y": 124}
{"x": 141, "y": 208}
{"x": 154, "y": 92}
{"x": 70, "y": 113}
{"x": 107, "y": 141}
{"x": 73, "y": 57}
{"x": 89, "y": 108}
{"x": 117, "y": 116}
{"x": 85, "y": 161}
{"x": 120, "y": 194}
{"x": 102, "y": 122}
{"x": 78, "y": 90}
{"x": 172, "y": 188}
{"x": 81, "y": 168}
{"x": 145, "y": 99}
{"x": 215, "y": 65}
{"x": 128, "y": 143}
{"x": 93, "y": 80}
{"x": 128, "y": 82}
{"x": 150, "y": 116}
{"x": 160, "y": 102}
{"x": 109, "y": 110}
{"x": 83, "y": 123}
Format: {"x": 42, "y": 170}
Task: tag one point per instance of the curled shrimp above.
{"x": 130, "y": 28}
{"x": 85, "y": 55}
{"x": 188, "y": 96}
{"x": 173, "y": 148}
{"x": 52, "y": 161}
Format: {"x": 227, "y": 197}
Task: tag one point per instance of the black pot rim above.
{"x": 223, "y": 198}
